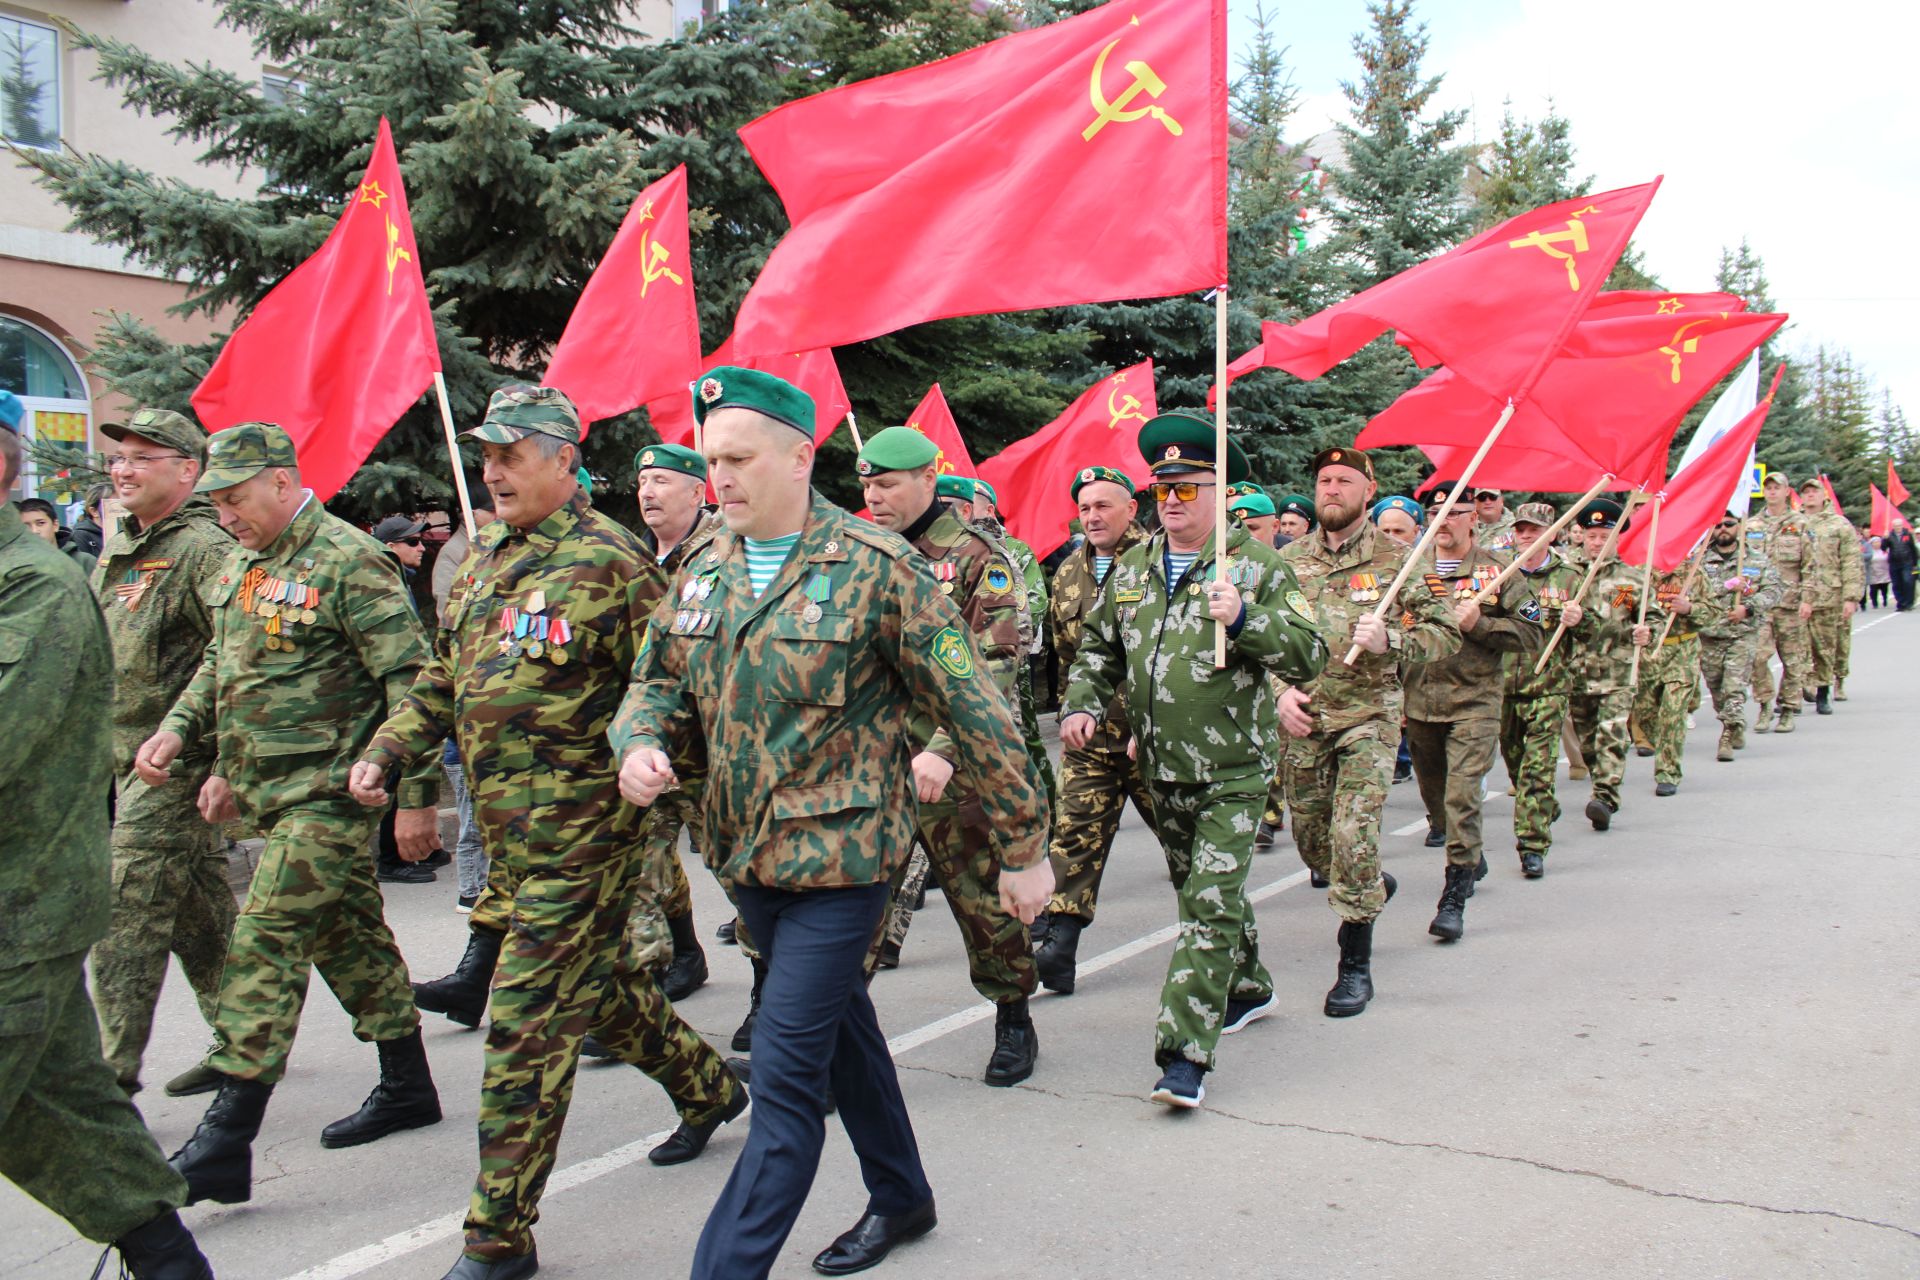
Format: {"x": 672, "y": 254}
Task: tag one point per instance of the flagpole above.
{"x": 1646, "y": 586}
{"x": 453, "y": 453}
{"x": 1593, "y": 571}
{"x": 1686, "y": 585}
{"x": 1487, "y": 592}
{"x": 854, "y": 427}
{"x": 1220, "y": 454}
{"x": 1433, "y": 525}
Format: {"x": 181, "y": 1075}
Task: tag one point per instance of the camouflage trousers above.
{"x": 1824, "y": 630}
{"x": 1843, "y": 655}
{"x": 68, "y": 1136}
{"x": 1450, "y": 757}
{"x": 1095, "y": 786}
{"x": 1036, "y": 749}
{"x": 170, "y": 897}
{"x": 1726, "y": 666}
{"x": 1530, "y": 745}
{"x": 1337, "y": 787}
{"x": 313, "y": 904}
{"x": 1600, "y": 720}
{"x": 1206, "y": 830}
{"x": 1785, "y": 633}
{"x": 999, "y": 948}
{"x": 1275, "y": 812}
{"x": 660, "y": 889}
{"x": 1669, "y": 682}
{"x": 566, "y": 970}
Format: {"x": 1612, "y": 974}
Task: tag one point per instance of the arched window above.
{"x": 59, "y": 420}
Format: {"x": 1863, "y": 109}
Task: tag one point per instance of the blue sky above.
{"x": 1791, "y": 127}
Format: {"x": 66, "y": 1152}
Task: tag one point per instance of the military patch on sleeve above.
{"x": 1530, "y": 611}
{"x": 950, "y": 651}
{"x": 998, "y": 580}
{"x": 1437, "y": 585}
{"x": 646, "y": 646}
{"x": 1298, "y": 603}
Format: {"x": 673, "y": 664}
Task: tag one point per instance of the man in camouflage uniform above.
{"x": 1782, "y": 532}
{"x": 1536, "y": 703}
{"x": 170, "y": 894}
{"x": 313, "y": 642}
{"x": 1098, "y": 779}
{"x": 1453, "y": 705}
{"x": 1830, "y": 590}
{"x": 974, "y": 570}
{"x": 1344, "y": 726}
{"x": 1492, "y": 522}
{"x": 1738, "y": 586}
{"x": 1669, "y": 673}
{"x": 68, "y": 1135}
{"x": 1600, "y": 700}
{"x": 546, "y": 617}
{"x": 804, "y": 649}
{"x": 1207, "y": 737}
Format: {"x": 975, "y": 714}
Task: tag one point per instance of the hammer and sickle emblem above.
{"x": 1144, "y": 81}
{"x": 395, "y": 254}
{"x": 1681, "y": 345}
{"x": 1129, "y": 407}
{"x": 1575, "y": 237}
{"x": 654, "y": 258}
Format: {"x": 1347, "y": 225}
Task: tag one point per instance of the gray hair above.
{"x": 550, "y": 446}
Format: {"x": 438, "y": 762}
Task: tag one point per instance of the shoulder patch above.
{"x": 997, "y": 580}
{"x": 1437, "y": 585}
{"x": 1298, "y": 603}
{"x": 951, "y": 652}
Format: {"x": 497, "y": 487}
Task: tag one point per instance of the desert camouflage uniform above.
{"x": 170, "y": 892}
{"x": 1669, "y": 674}
{"x": 291, "y": 719}
{"x": 1786, "y": 541}
{"x": 1726, "y": 646}
{"x": 1495, "y": 537}
{"x": 1833, "y": 577}
{"x": 1338, "y": 775}
{"x": 1536, "y": 705}
{"x": 1207, "y": 739}
{"x": 1601, "y": 700}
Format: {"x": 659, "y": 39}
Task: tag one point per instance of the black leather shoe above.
{"x": 1015, "y": 1046}
{"x": 686, "y": 974}
{"x": 1317, "y": 880}
{"x": 726, "y": 935}
{"x": 889, "y": 955}
{"x": 742, "y": 1041}
{"x": 872, "y": 1239}
{"x": 1449, "y": 922}
{"x": 1532, "y": 865}
{"x": 404, "y": 1098}
{"x": 162, "y": 1249}
{"x": 1822, "y": 704}
{"x": 1056, "y": 956}
{"x": 1600, "y": 814}
{"x": 1665, "y": 788}
{"x": 1643, "y": 752}
{"x": 217, "y": 1161}
{"x": 462, "y": 994}
{"x": 1263, "y": 837}
{"x": 406, "y": 873}
{"x": 1353, "y": 986}
{"x": 1436, "y": 836}
{"x": 514, "y": 1268}
{"x": 689, "y": 1140}
{"x": 590, "y": 1047}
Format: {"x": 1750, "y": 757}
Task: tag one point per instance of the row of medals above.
{"x": 693, "y": 591}
{"x": 286, "y": 603}
{"x": 545, "y": 643}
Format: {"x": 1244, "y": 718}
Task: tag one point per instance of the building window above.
{"x": 29, "y": 83}
{"x": 57, "y": 428}
{"x": 695, "y": 12}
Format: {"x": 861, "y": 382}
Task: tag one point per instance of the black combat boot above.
{"x": 162, "y": 1249}
{"x": 404, "y": 1098}
{"x": 1015, "y": 1046}
{"x": 1354, "y": 986}
{"x": 1056, "y": 956}
{"x": 1450, "y": 923}
{"x": 1822, "y": 703}
{"x": 217, "y": 1161}
{"x": 688, "y": 971}
{"x": 462, "y": 994}
{"x": 742, "y": 1041}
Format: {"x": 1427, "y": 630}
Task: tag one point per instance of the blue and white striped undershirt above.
{"x": 765, "y": 558}
{"x": 1446, "y": 568}
{"x": 1178, "y": 562}
{"x": 1102, "y": 566}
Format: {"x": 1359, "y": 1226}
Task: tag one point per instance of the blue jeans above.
{"x": 469, "y": 853}
{"x": 816, "y": 1024}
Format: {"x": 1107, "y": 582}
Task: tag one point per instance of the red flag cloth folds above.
{"x": 634, "y": 335}
{"x": 1832, "y": 497}
{"x": 1896, "y": 492}
{"x": 1696, "y": 498}
{"x": 934, "y": 420}
{"x": 1494, "y": 310}
{"x": 1100, "y": 429}
{"x": 1880, "y": 521}
{"x": 1609, "y": 401}
{"x": 342, "y": 346}
{"x": 815, "y": 372}
{"x": 1004, "y": 178}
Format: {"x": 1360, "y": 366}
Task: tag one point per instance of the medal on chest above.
{"x": 527, "y": 630}
{"x": 283, "y": 604}
{"x": 133, "y": 587}
{"x": 694, "y": 593}
{"x": 946, "y": 573}
{"x": 1363, "y": 588}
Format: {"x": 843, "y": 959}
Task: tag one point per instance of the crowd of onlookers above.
{"x": 1890, "y": 564}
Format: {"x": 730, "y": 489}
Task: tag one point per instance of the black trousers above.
{"x": 816, "y": 1024}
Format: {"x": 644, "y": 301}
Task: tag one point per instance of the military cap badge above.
{"x": 864, "y": 467}
{"x": 711, "y": 390}
{"x": 646, "y": 459}
{"x": 1086, "y": 477}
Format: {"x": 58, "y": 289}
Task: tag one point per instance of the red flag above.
{"x": 814, "y": 372}
{"x": 1896, "y": 492}
{"x": 1100, "y": 429}
{"x": 934, "y": 420}
{"x": 1082, "y": 161}
{"x": 1698, "y": 495}
{"x": 1609, "y": 401}
{"x": 634, "y": 335}
{"x": 342, "y": 346}
{"x": 1832, "y": 497}
{"x": 1880, "y": 521}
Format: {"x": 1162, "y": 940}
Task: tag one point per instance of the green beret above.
{"x": 896, "y": 449}
{"x": 519, "y": 410}
{"x": 1601, "y": 513}
{"x": 1297, "y": 504}
{"x": 952, "y": 486}
{"x": 1245, "y": 488}
{"x": 244, "y": 451}
{"x": 1342, "y": 456}
{"x": 1253, "y": 504}
{"x": 1087, "y": 475}
{"x": 994, "y": 498}
{"x": 162, "y": 426}
{"x": 1182, "y": 440}
{"x": 731, "y": 387}
{"x": 671, "y": 457}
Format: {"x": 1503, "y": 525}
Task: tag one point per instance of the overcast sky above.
{"x": 1793, "y": 127}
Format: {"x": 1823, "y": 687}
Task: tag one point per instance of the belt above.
{"x": 1677, "y": 639}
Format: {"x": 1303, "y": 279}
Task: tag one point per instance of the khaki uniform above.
{"x": 1784, "y": 539}
{"x": 1536, "y": 705}
{"x": 1600, "y": 699}
{"x": 1745, "y": 576}
{"x": 1669, "y": 676}
{"x": 1834, "y": 578}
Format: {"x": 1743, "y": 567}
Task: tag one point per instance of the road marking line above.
{"x": 1876, "y": 622}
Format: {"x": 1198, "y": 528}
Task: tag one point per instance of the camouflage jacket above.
{"x": 1745, "y": 576}
{"x": 1784, "y": 539}
{"x": 690, "y": 764}
{"x": 1195, "y": 723}
{"x": 546, "y": 622}
{"x": 1470, "y": 685}
{"x": 314, "y": 642}
{"x": 1603, "y": 656}
{"x": 1552, "y": 585}
{"x": 1036, "y": 580}
{"x": 1076, "y": 589}
{"x": 1496, "y": 537}
{"x": 1344, "y": 585}
{"x": 1834, "y": 574}
{"x": 973, "y": 567}
{"x": 56, "y": 756}
{"x": 697, "y": 537}
{"x": 803, "y": 697}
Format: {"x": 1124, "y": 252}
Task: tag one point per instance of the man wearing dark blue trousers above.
{"x": 796, "y": 649}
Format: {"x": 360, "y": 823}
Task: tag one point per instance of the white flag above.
{"x": 1735, "y": 403}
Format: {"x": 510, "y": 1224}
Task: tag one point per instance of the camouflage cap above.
{"x": 1297, "y": 504}
{"x": 1182, "y": 440}
{"x": 896, "y": 449}
{"x": 1342, "y": 456}
{"x": 1253, "y": 504}
{"x": 1087, "y": 475}
{"x": 162, "y": 426}
{"x": 671, "y": 457}
{"x": 1777, "y": 477}
{"x": 243, "y": 451}
{"x": 520, "y": 409}
{"x": 1601, "y": 513}
{"x": 952, "y": 486}
{"x": 731, "y": 387}
{"x": 1536, "y": 513}
{"x": 11, "y": 410}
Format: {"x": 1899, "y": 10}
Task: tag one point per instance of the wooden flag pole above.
{"x": 1553, "y": 531}
{"x": 1220, "y": 461}
{"x": 1433, "y": 525}
{"x": 1686, "y": 585}
{"x": 1593, "y": 571}
{"x": 854, "y": 427}
{"x": 1646, "y": 589}
{"x": 453, "y": 453}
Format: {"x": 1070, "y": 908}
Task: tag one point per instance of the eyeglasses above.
{"x": 409, "y": 542}
{"x": 1486, "y": 495}
{"x": 1185, "y": 490}
{"x": 137, "y": 461}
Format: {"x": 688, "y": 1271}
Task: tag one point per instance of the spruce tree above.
{"x": 1528, "y": 165}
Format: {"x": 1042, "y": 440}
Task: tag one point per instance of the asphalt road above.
{"x": 1689, "y": 1051}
